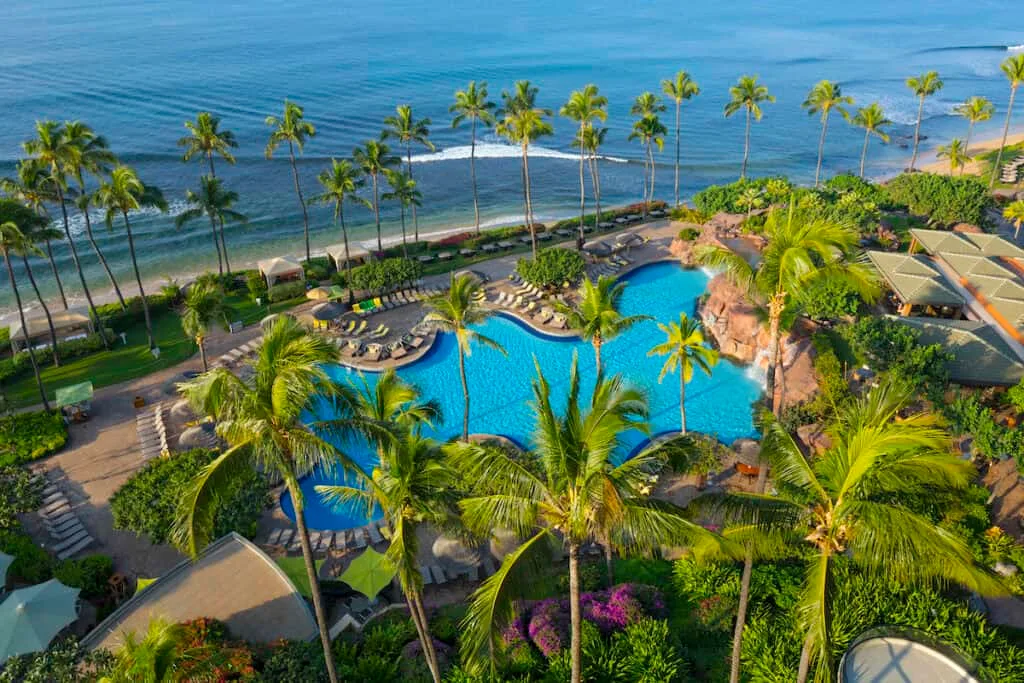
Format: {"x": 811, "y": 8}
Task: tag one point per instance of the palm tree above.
{"x": 975, "y": 110}
{"x": 523, "y": 124}
{"x": 454, "y": 312}
{"x": 91, "y": 154}
{"x": 162, "y": 655}
{"x": 597, "y": 315}
{"x": 403, "y": 191}
{"x": 567, "y": 491}
{"x": 203, "y": 306}
{"x": 54, "y": 151}
{"x": 35, "y": 233}
{"x": 408, "y": 130}
{"x": 413, "y": 485}
{"x": 262, "y": 422}
{"x": 747, "y": 94}
{"x": 751, "y": 198}
{"x": 374, "y": 158}
{"x": 213, "y": 201}
{"x": 684, "y": 345}
{"x": 825, "y": 97}
{"x": 923, "y": 86}
{"x": 295, "y": 130}
{"x": 1014, "y": 212}
{"x": 853, "y": 500}
{"x": 13, "y": 239}
{"x": 649, "y": 130}
{"x": 393, "y": 401}
{"x": 680, "y": 87}
{"x": 956, "y": 152}
{"x": 472, "y": 104}
{"x": 590, "y": 142}
{"x": 206, "y": 139}
{"x": 123, "y": 193}
{"x": 584, "y": 107}
{"x": 341, "y": 182}
{"x": 1013, "y": 69}
{"x": 871, "y": 118}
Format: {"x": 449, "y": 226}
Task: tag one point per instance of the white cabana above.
{"x": 280, "y": 269}
{"x": 356, "y": 254}
{"x": 67, "y": 324}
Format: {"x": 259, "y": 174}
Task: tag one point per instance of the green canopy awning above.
{"x": 76, "y": 393}
{"x": 369, "y": 573}
{"x": 337, "y": 292}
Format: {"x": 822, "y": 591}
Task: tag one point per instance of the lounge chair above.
{"x": 425, "y": 572}
{"x": 545, "y": 315}
{"x": 488, "y": 248}
{"x": 416, "y": 342}
{"x": 381, "y": 331}
{"x": 359, "y": 538}
{"x": 360, "y": 329}
{"x": 530, "y": 305}
{"x": 275, "y": 537}
{"x": 81, "y": 544}
{"x": 374, "y": 532}
{"x": 399, "y": 352}
{"x": 438, "y": 573}
{"x": 376, "y": 330}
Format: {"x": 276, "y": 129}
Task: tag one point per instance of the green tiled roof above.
{"x": 915, "y": 279}
{"x": 980, "y": 355}
{"x": 1000, "y": 285}
{"x": 943, "y": 242}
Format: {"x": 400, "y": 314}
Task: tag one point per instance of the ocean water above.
{"x": 137, "y": 71}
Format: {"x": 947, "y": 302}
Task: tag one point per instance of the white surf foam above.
{"x": 76, "y": 221}
{"x": 494, "y": 150}
{"x": 1015, "y": 48}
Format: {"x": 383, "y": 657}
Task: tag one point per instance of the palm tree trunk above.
{"x": 415, "y": 218}
{"x": 596, "y": 181}
{"x": 24, "y": 330}
{"x": 775, "y": 305}
{"x": 529, "y": 204}
{"x": 1006, "y": 130}
{"x": 746, "y": 148}
{"x": 597, "y": 353}
{"x": 314, "y": 584}
{"x": 138, "y": 279}
{"x": 428, "y": 644}
{"x": 864, "y": 152}
{"x": 405, "y": 250}
{"x": 216, "y": 244}
{"x": 679, "y": 106}
{"x": 643, "y": 186}
{"x": 682, "y": 402}
{"x": 967, "y": 143}
{"x": 741, "y": 618}
{"x": 298, "y": 191}
{"x": 609, "y": 564}
{"x": 78, "y": 267}
{"x": 576, "y": 631}
{"x": 821, "y": 150}
{"x": 780, "y": 371}
{"x": 46, "y": 310}
{"x": 650, "y": 189}
{"x": 583, "y": 192}
{"x": 348, "y": 261}
{"x": 224, "y": 246}
{"x": 465, "y": 394}
{"x": 56, "y": 274}
{"x": 472, "y": 173}
{"x": 201, "y": 343}
{"x": 376, "y": 212}
{"x": 917, "y": 131}
{"x": 99, "y": 254}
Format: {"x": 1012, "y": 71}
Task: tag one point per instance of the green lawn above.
{"x": 295, "y": 568}
{"x": 245, "y": 309}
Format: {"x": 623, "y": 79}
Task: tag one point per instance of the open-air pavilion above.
{"x": 916, "y": 282}
{"x": 281, "y": 269}
{"x": 69, "y": 324}
{"x": 356, "y": 255}
{"x": 981, "y": 357}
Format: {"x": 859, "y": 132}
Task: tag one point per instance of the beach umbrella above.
{"x": 74, "y": 394}
{"x": 318, "y": 294}
{"x": 181, "y": 412}
{"x": 597, "y": 248}
{"x": 503, "y": 542}
{"x": 31, "y": 617}
{"x": 5, "y": 563}
{"x": 337, "y": 292}
{"x": 369, "y": 573}
{"x": 327, "y": 311}
{"x": 200, "y": 436}
{"x": 454, "y": 554}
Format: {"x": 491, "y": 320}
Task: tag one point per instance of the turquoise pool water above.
{"x": 500, "y": 387}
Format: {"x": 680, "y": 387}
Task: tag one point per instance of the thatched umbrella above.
{"x": 454, "y": 554}
{"x": 502, "y": 543}
{"x": 318, "y": 294}
{"x": 200, "y": 436}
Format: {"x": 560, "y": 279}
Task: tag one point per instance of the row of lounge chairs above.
{"x": 322, "y": 541}
{"x": 394, "y": 300}
{"x": 1011, "y": 170}
{"x": 376, "y": 352}
{"x": 62, "y": 523}
{"x": 235, "y": 355}
{"x": 354, "y": 329}
{"x": 434, "y": 574}
{"x": 610, "y": 266}
{"x": 152, "y": 432}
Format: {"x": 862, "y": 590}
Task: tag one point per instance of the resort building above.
{"x": 68, "y": 325}
{"x": 917, "y": 284}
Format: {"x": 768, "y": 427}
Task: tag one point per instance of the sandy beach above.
{"x": 932, "y": 164}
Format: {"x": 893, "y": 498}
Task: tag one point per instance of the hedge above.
{"x": 90, "y": 574}
{"x": 112, "y": 315}
{"x": 717, "y": 198}
{"x": 386, "y": 274}
{"x": 25, "y": 437}
{"x": 286, "y": 291}
{"x": 20, "y": 363}
{"x": 31, "y": 563}
{"x": 946, "y": 200}
{"x": 552, "y": 267}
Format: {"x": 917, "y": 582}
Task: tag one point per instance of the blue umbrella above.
{"x": 31, "y": 617}
{"x": 5, "y": 563}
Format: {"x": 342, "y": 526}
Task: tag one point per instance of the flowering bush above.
{"x": 549, "y": 626}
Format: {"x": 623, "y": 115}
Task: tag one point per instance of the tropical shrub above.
{"x": 20, "y": 492}
{"x": 25, "y": 437}
{"x": 385, "y": 275}
{"x": 286, "y": 291}
{"x": 968, "y": 415}
{"x": 893, "y": 347}
{"x": 294, "y": 661}
{"x": 65, "y": 661}
{"x": 1015, "y": 396}
{"x": 829, "y": 300}
{"x": 31, "y": 563}
{"x": 256, "y": 285}
{"x": 717, "y": 198}
{"x": 867, "y": 190}
{"x": 644, "y": 652}
{"x": 148, "y": 502}
{"x": 552, "y": 267}
{"x": 688, "y": 234}
{"x": 686, "y": 214}
{"x": 945, "y": 200}
{"x": 90, "y": 574}
{"x": 20, "y": 364}
{"x": 112, "y": 315}
{"x": 318, "y": 268}
{"x": 231, "y": 660}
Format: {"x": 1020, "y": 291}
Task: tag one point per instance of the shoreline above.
{"x": 941, "y": 166}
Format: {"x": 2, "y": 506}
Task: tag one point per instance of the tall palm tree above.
{"x": 748, "y": 95}
{"x": 205, "y": 140}
{"x": 262, "y": 422}
{"x": 923, "y": 86}
{"x": 12, "y": 239}
{"x": 680, "y": 87}
{"x": 590, "y": 143}
{"x": 824, "y": 98}
{"x": 649, "y": 130}
{"x": 871, "y": 118}
{"x": 750, "y": 199}
{"x": 975, "y": 110}
{"x": 455, "y": 311}
{"x": 403, "y": 191}
{"x": 567, "y": 491}
{"x": 374, "y": 158}
{"x": 213, "y": 201}
{"x": 472, "y": 104}
{"x": 413, "y": 485}
{"x": 523, "y": 124}
{"x": 90, "y": 154}
{"x": 393, "y": 401}
{"x": 584, "y": 107}
{"x": 407, "y": 130}
{"x": 35, "y": 233}
{"x": 956, "y": 152}
{"x": 340, "y": 183}
{"x": 1013, "y": 69}
{"x": 54, "y": 151}
{"x": 684, "y": 345}
{"x": 852, "y": 500}
{"x": 120, "y": 195}
{"x": 597, "y": 315}
{"x": 31, "y": 185}
{"x": 203, "y": 306}
{"x": 295, "y": 130}
{"x": 1014, "y": 212}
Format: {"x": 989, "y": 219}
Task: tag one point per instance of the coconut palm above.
{"x": 956, "y": 152}
{"x": 522, "y": 125}
{"x": 393, "y": 401}
{"x": 684, "y": 345}
{"x": 748, "y": 95}
{"x": 567, "y": 491}
{"x": 584, "y": 107}
{"x": 202, "y": 307}
{"x": 156, "y": 657}
{"x": 413, "y": 485}
{"x": 295, "y": 130}
{"x": 407, "y": 130}
{"x": 213, "y": 201}
{"x": 975, "y": 110}
{"x": 120, "y": 195}
{"x": 597, "y": 315}
{"x": 1013, "y": 69}
{"x": 55, "y": 151}
{"x": 13, "y": 239}
{"x": 855, "y": 500}
{"x": 403, "y": 191}
{"x": 750, "y": 199}
{"x": 35, "y": 233}
{"x": 1014, "y": 213}
{"x": 205, "y": 140}
{"x": 90, "y": 154}
{"x": 649, "y": 130}
{"x": 923, "y": 86}
{"x": 680, "y": 87}
{"x": 590, "y": 143}
{"x": 374, "y": 158}
{"x": 262, "y": 422}
{"x": 824, "y": 98}
{"x": 455, "y": 311}
{"x": 871, "y": 118}
{"x": 472, "y": 104}
{"x": 340, "y": 183}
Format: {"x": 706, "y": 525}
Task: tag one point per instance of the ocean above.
{"x": 135, "y": 71}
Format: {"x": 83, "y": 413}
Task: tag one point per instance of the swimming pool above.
{"x": 500, "y": 387}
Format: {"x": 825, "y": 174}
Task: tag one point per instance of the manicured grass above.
{"x": 246, "y": 310}
{"x": 295, "y": 568}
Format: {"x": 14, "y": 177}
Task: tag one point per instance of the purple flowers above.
{"x": 549, "y": 626}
